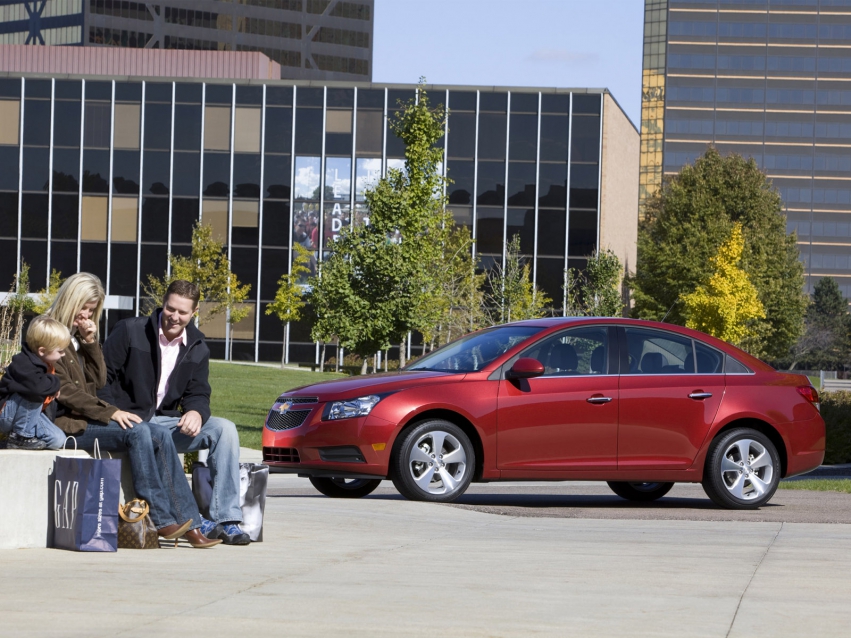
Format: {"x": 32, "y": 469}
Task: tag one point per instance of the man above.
{"x": 170, "y": 389}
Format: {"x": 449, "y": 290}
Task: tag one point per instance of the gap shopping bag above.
{"x": 85, "y": 503}
{"x": 253, "y": 480}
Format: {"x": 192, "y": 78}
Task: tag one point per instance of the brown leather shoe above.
{"x": 197, "y": 539}
{"x": 175, "y": 530}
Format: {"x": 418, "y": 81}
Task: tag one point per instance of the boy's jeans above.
{"x": 25, "y": 418}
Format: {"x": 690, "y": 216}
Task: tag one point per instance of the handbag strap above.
{"x": 70, "y": 438}
{"x": 137, "y": 506}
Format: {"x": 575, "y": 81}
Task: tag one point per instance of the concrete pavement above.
{"x": 387, "y": 567}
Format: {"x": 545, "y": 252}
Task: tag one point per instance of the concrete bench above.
{"x": 26, "y": 492}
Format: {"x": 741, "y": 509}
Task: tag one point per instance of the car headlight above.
{"x": 351, "y": 408}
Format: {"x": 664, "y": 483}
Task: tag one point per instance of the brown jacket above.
{"x": 81, "y": 374}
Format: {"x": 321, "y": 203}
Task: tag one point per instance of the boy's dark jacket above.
{"x": 27, "y": 375}
{"x": 132, "y": 358}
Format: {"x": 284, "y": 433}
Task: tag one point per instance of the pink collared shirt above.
{"x": 168, "y": 358}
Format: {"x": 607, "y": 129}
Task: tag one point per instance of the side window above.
{"x": 709, "y": 360}
{"x": 734, "y": 367}
{"x": 657, "y": 352}
{"x": 580, "y": 351}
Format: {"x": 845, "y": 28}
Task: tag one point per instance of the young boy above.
{"x": 29, "y": 387}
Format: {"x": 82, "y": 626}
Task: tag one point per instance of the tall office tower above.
{"x": 767, "y": 79}
{"x": 311, "y": 39}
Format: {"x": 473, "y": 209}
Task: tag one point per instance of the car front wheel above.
{"x": 742, "y": 470}
{"x": 434, "y": 462}
{"x": 345, "y": 488}
{"x": 642, "y": 492}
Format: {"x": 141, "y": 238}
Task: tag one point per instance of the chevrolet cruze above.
{"x": 638, "y": 404}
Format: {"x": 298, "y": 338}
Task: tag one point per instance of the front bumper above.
{"x": 344, "y": 448}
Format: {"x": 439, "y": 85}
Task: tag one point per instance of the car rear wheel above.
{"x": 742, "y": 470}
{"x": 434, "y": 462}
{"x": 642, "y": 492}
{"x": 345, "y": 488}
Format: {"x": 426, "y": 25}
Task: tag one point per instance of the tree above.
{"x": 824, "y": 344}
{"x": 371, "y": 291}
{"x": 690, "y": 217}
{"x": 47, "y": 295}
{"x": 602, "y": 291}
{"x": 208, "y": 268}
{"x": 726, "y": 304}
{"x": 459, "y": 299}
{"x": 511, "y": 294}
{"x": 289, "y": 298}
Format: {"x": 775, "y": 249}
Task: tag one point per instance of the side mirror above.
{"x": 525, "y": 368}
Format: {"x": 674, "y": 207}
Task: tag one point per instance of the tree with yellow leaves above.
{"x": 726, "y": 305}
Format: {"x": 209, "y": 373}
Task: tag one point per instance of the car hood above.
{"x": 353, "y": 387}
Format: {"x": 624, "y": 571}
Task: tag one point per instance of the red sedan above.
{"x": 638, "y": 404}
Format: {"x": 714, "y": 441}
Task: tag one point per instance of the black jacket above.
{"x": 27, "y": 375}
{"x": 132, "y": 356}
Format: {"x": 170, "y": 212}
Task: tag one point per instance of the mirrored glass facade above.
{"x": 310, "y": 39}
{"x": 767, "y": 79}
{"x": 110, "y": 177}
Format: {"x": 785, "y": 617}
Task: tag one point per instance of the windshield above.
{"x": 475, "y": 351}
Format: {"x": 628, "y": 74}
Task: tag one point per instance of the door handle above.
{"x": 698, "y": 396}
{"x": 598, "y": 399}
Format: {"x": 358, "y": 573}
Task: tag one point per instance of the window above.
{"x": 93, "y": 221}
{"x": 10, "y": 115}
{"x": 369, "y": 133}
{"x": 579, "y": 351}
{"x": 654, "y": 352}
{"x": 124, "y": 218}
{"x": 215, "y": 214}
{"x": 127, "y": 126}
{"x": 246, "y": 137}
{"x": 709, "y": 360}
{"x": 217, "y": 128}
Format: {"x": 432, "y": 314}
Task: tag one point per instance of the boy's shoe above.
{"x": 231, "y": 534}
{"x": 209, "y": 528}
{"x": 17, "y": 442}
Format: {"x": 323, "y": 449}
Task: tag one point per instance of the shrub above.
{"x": 836, "y": 411}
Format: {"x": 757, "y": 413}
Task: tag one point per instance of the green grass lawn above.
{"x": 818, "y": 485}
{"x": 244, "y": 394}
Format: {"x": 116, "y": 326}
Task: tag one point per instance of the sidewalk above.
{"x": 382, "y": 567}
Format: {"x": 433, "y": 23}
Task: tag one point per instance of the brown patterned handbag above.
{"x": 135, "y": 528}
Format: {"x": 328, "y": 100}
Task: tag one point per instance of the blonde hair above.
{"x": 47, "y": 333}
{"x": 76, "y": 292}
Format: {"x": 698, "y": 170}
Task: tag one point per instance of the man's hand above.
{"x": 190, "y": 423}
{"x": 125, "y": 419}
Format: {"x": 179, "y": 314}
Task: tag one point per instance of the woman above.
{"x": 157, "y": 472}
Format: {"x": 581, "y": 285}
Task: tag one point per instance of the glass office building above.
{"x": 310, "y": 39}
{"x": 109, "y": 176}
{"x": 767, "y": 79}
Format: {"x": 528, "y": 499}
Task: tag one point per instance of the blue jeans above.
{"x": 220, "y": 437}
{"x": 25, "y": 418}
{"x": 158, "y": 475}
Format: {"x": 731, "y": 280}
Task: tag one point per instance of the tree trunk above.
{"x": 322, "y": 359}
{"x": 402, "y": 360}
{"x": 363, "y": 367}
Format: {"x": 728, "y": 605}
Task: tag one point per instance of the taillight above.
{"x": 810, "y": 394}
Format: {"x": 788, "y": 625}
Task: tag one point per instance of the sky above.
{"x": 542, "y": 43}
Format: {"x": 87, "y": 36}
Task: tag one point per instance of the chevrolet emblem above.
{"x": 286, "y": 405}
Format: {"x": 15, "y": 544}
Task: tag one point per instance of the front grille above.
{"x": 281, "y": 455}
{"x": 294, "y": 400}
{"x": 288, "y": 420}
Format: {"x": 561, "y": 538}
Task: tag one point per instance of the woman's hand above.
{"x": 125, "y": 419}
{"x": 86, "y": 328}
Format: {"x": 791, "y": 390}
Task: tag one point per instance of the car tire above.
{"x": 344, "y": 488}
{"x": 739, "y": 483}
{"x": 640, "y": 492}
{"x": 434, "y": 461}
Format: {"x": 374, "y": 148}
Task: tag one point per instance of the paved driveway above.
{"x": 387, "y": 567}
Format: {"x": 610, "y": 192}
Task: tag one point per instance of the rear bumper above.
{"x": 806, "y": 442}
